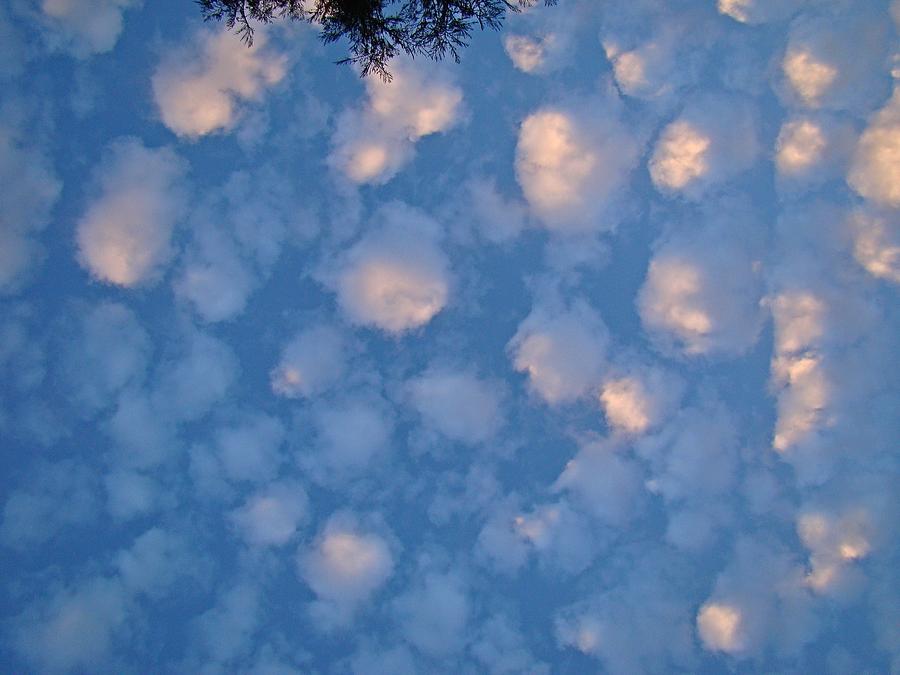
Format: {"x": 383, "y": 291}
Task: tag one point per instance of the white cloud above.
{"x": 563, "y": 351}
{"x": 155, "y": 561}
{"x": 605, "y": 481}
{"x": 875, "y": 173}
{"x": 74, "y": 629}
{"x": 703, "y": 288}
{"x": 249, "y": 449}
{"x": 503, "y": 650}
{"x": 714, "y": 140}
{"x": 458, "y": 404}
{"x": 310, "y": 363}
{"x": 83, "y": 27}
{"x": 205, "y": 90}
{"x": 759, "y": 11}
{"x": 344, "y": 567}
{"x": 876, "y": 243}
{"x": 130, "y": 494}
{"x": 372, "y": 144}
{"x": 271, "y": 516}
{"x": 395, "y": 278}
{"x": 836, "y": 541}
{"x": 434, "y": 614}
{"x": 124, "y": 237}
{"x": 30, "y": 190}
{"x": 350, "y": 434}
{"x": 812, "y": 149}
{"x": 836, "y": 62}
{"x": 573, "y": 167}
{"x": 141, "y": 437}
{"x": 637, "y": 398}
{"x": 227, "y": 629}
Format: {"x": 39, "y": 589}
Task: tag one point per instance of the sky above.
{"x": 578, "y": 356}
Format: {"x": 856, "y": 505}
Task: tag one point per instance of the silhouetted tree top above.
{"x": 377, "y": 30}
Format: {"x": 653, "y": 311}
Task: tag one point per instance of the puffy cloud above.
{"x": 502, "y": 649}
{"x": 372, "y": 144}
{"x": 458, "y": 404}
{"x": 110, "y": 352}
{"x": 350, "y": 433}
{"x": 204, "y": 91}
{"x": 812, "y": 149}
{"x": 130, "y": 494}
{"x": 558, "y": 534}
{"x": 434, "y": 614}
{"x": 142, "y": 438}
{"x": 836, "y": 61}
{"x": 58, "y": 497}
{"x": 237, "y": 236}
{"x": 124, "y": 237}
{"x": 74, "y": 629}
{"x": 759, "y": 11}
{"x": 310, "y": 363}
{"x": 83, "y": 27}
{"x": 226, "y": 630}
{"x": 249, "y": 448}
{"x": 155, "y": 561}
{"x": 396, "y": 277}
{"x": 703, "y": 288}
{"x": 534, "y": 54}
{"x": 876, "y": 244}
{"x": 574, "y": 167}
{"x": 605, "y": 481}
{"x": 835, "y": 542}
{"x": 875, "y": 173}
{"x": 638, "y": 398}
{"x": 759, "y": 601}
{"x": 563, "y": 351}
{"x": 344, "y": 567}
{"x": 30, "y": 190}
{"x": 712, "y": 141}
{"x": 271, "y": 516}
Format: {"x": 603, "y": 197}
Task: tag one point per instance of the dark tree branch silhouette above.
{"x": 376, "y": 30}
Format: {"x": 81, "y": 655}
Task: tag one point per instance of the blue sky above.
{"x": 577, "y": 356}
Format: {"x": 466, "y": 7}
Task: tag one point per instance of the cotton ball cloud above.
{"x": 812, "y": 149}
{"x": 124, "y": 238}
{"x": 638, "y": 398}
{"x": 562, "y": 351}
{"x": 84, "y": 27}
{"x": 573, "y": 167}
{"x": 759, "y": 11}
{"x": 836, "y": 62}
{"x": 703, "y": 290}
{"x": 458, "y": 404}
{"x": 249, "y": 448}
{"x": 271, "y": 516}
{"x": 875, "y": 172}
{"x": 30, "y": 190}
{"x": 344, "y": 567}
{"x": 434, "y": 614}
{"x": 350, "y": 434}
{"x": 835, "y": 542}
{"x": 396, "y": 278}
{"x": 205, "y": 91}
{"x": 310, "y": 363}
{"x": 714, "y": 140}
{"x": 876, "y": 244}
{"x": 372, "y": 144}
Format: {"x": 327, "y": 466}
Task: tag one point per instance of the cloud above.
{"x": 311, "y": 363}
{"x": 458, "y": 404}
{"x": 124, "y": 236}
{"x": 703, "y": 287}
{"x": 83, "y": 27}
{"x": 502, "y": 649}
{"x": 812, "y": 149}
{"x": 714, "y": 140}
{"x": 344, "y": 567}
{"x": 876, "y": 244}
{"x": 226, "y": 630}
{"x": 395, "y": 278}
{"x": 271, "y": 516}
{"x": 249, "y": 447}
{"x": 205, "y": 90}
{"x": 637, "y": 398}
{"x": 372, "y": 144}
{"x": 74, "y": 629}
{"x": 875, "y": 172}
{"x": 155, "y": 561}
{"x": 434, "y": 614}
{"x": 835, "y": 62}
{"x": 110, "y": 351}
{"x": 563, "y": 351}
{"x": 573, "y": 168}
{"x": 759, "y": 11}
{"x": 605, "y": 481}
{"x": 130, "y": 494}
{"x": 30, "y": 190}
